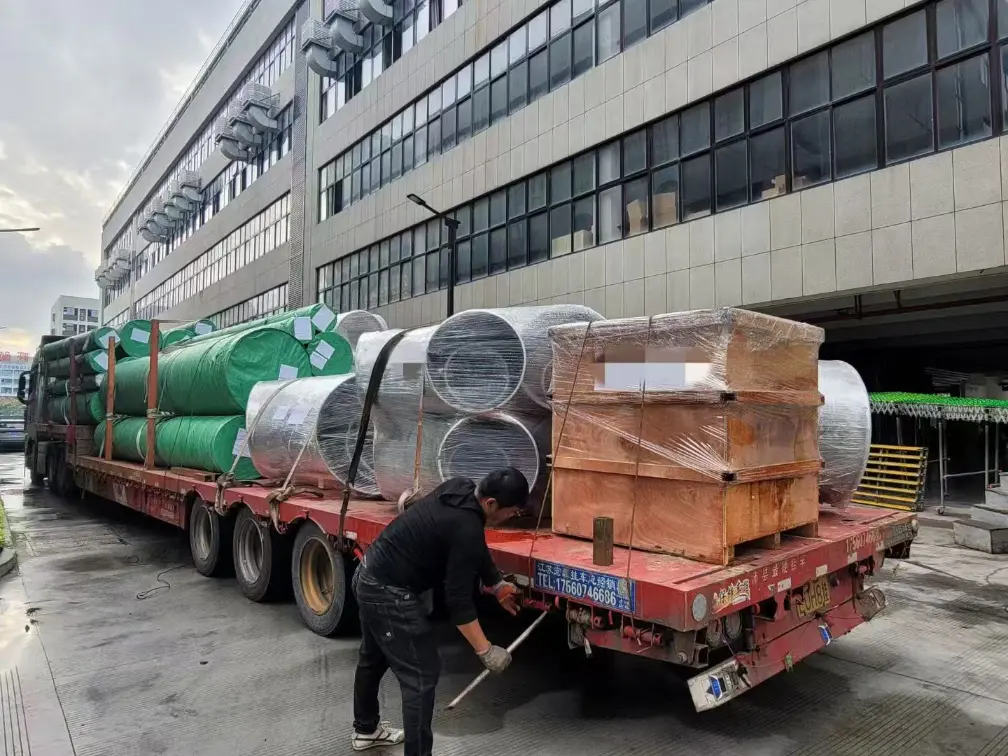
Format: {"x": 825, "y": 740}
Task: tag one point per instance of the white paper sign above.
{"x": 102, "y": 360}
{"x": 317, "y": 360}
{"x": 653, "y": 376}
{"x": 326, "y": 350}
{"x": 140, "y": 336}
{"x": 240, "y": 447}
{"x": 302, "y": 329}
{"x": 288, "y": 372}
{"x": 202, "y": 329}
{"x": 110, "y": 336}
{"x": 323, "y": 318}
{"x": 281, "y": 413}
{"x": 297, "y": 416}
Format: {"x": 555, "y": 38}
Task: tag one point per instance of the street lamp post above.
{"x": 452, "y": 225}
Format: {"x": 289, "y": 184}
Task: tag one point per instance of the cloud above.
{"x": 3, "y": 151}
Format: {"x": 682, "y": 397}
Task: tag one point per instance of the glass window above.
{"x": 538, "y": 75}
{"x": 481, "y": 109}
{"x": 481, "y": 214}
{"x": 663, "y": 12}
{"x": 904, "y": 44}
{"x": 695, "y": 129}
{"x": 608, "y": 35}
{"x": 665, "y": 141}
{"x": 498, "y": 251}
{"x": 610, "y": 215}
{"x": 498, "y": 208}
{"x": 448, "y": 92}
{"x": 516, "y": 199}
{"x": 464, "y": 119}
{"x": 481, "y": 70}
{"x": 421, "y": 146}
{"x": 581, "y": 8}
{"x": 419, "y": 277}
{"x": 609, "y": 163}
{"x": 636, "y": 212}
{"x": 854, "y": 66}
{"x": 584, "y": 174}
{"x": 908, "y": 123}
{"x": 696, "y": 189}
{"x": 538, "y": 233}
{"x": 518, "y": 86}
{"x": 560, "y": 18}
{"x": 407, "y": 150}
{"x": 538, "y": 30}
{"x": 964, "y": 102}
{"x": 498, "y": 99}
{"x": 480, "y": 255}
{"x": 463, "y": 261}
{"x": 584, "y": 48}
{"x": 665, "y": 196}
{"x": 517, "y": 245}
{"x": 434, "y": 137}
{"x": 810, "y": 83}
{"x": 729, "y": 114}
{"x": 498, "y": 60}
{"x": 1002, "y": 16}
{"x": 857, "y": 150}
{"x": 730, "y": 175}
{"x": 635, "y": 21}
{"x": 464, "y": 79}
{"x": 960, "y": 24}
{"x": 560, "y": 183}
{"x": 516, "y": 45}
{"x": 560, "y": 60}
{"x": 635, "y": 152}
{"x": 810, "y": 150}
{"x": 537, "y": 192}
{"x": 584, "y": 223}
{"x": 433, "y": 274}
{"x": 560, "y": 230}
{"x": 688, "y": 6}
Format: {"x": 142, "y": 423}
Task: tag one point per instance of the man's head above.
{"x": 502, "y": 494}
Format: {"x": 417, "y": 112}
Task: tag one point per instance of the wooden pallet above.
{"x": 894, "y": 478}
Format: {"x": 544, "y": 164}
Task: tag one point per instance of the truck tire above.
{"x": 66, "y": 486}
{"x": 261, "y": 556}
{"x": 210, "y": 540}
{"x": 52, "y": 477}
{"x": 321, "y": 578}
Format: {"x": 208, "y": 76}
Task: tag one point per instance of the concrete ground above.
{"x": 111, "y": 643}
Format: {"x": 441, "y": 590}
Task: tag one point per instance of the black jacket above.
{"x": 438, "y": 540}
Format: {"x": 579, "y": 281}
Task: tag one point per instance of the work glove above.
{"x": 496, "y": 659}
{"x": 507, "y": 596}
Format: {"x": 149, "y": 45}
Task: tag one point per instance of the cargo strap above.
{"x": 278, "y": 496}
{"x": 374, "y": 383}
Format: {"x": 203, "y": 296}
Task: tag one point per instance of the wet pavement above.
{"x": 111, "y": 643}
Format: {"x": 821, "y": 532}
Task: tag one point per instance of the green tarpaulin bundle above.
{"x": 211, "y": 376}
{"x": 303, "y": 324}
{"x": 134, "y": 339}
{"x": 202, "y": 443}
{"x": 89, "y": 363}
{"x": 189, "y": 331}
{"x": 90, "y": 409}
{"x": 86, "y": 383}
{"x": 84, "y": 342}
{"x": 329, "y": 354}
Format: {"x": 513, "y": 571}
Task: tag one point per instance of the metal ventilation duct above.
{"x": 228, "y": 143}
{"x": 190, "y": 184}
{"x": 147, "y": 235}
{"x": 258, "y": 105}
{"x": 376, "y": 11}
{"x": 317, "y": 47}
{"x": 159, "y": 216}
{"x": 345, "y": 36}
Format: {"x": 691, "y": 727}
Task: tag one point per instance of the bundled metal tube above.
{"x": 398, "y": 400}
{"x": 353, "y": 324}
{"x": 395, "y": 454}
{"x": 325, "y": 412}
{"x": 844, "y": 431}
{"x": 485, "y": 360}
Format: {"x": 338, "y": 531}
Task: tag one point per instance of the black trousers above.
{"x": 396, "y": 635}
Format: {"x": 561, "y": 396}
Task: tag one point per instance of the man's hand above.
{"x": 507, "y": 596}
{"x": 496, "y": 659}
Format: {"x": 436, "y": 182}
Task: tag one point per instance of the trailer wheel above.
{"x": 210, "y": 540}
{"x": 260, "y": 558}
{"x": 50, "y": 473}
{"x": 66, "y": 486}
{"x": 321, "y": 577}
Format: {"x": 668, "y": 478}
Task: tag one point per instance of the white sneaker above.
{"x": 385, "y": 735}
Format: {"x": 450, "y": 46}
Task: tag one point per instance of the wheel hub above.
{"x": 250, "y": 551}
{"x": 203, "y": 533}
{"x": 317, "y": 576}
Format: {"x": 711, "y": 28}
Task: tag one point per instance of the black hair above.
{"x": 507, "y": 485}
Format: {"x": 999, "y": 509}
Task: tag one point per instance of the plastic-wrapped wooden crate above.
{"x": 696, "y": 431}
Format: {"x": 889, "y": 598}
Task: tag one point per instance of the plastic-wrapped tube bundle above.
{"x": 395, "y": 454}
{"x": 844, "y": 431}
{"x": 325, "y": 412}
{"x": 484, "y": 360}
{"x": 351, "y": 325}
{"x": 476, "y": 445}
{"x": 398, "y": 400}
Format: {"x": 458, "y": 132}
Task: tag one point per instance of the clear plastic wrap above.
{"x": 844, "y": 432}
{"x": 395, "y": 454}
{"x": 351, "y": 325}
{"x": 325, "y": 411}
{"x": 485, "y": 360}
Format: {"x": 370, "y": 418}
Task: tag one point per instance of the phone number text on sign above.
{"x": 605, "y": 590}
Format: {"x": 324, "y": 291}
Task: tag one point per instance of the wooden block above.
{"x": 602, "y": 541}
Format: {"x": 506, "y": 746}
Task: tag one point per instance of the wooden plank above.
{"x": 602, "y": 541}
{"x": 568, "y": 461}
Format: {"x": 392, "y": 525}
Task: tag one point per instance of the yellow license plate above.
{"x": 814, "y": 597}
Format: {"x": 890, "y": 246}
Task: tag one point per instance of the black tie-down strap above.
{"x": 374, "y": 384}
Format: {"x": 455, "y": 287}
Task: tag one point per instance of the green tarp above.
{"x": 90, "y": 408}
{"x": 330, "y": 354}
{"x": 87, "y": 383}
{"x": 89, "y": 363}
{"x": 304, "y": 324}
{"x": 189, "y": 331}
{"x": 85, "y": 342}
{"x": 134, "y": 339}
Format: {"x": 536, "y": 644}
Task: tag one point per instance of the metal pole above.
{"x": 452, "y": 258}
{"x": 997, "y": 452}
{"x": 986, "y": 455}
{"x": 941, "y": 466}
{"x": 899, "y": 431}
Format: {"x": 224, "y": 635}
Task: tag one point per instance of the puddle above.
{"x": 17, "y": 623}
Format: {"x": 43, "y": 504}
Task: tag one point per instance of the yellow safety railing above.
{"x": 894, "y": 478}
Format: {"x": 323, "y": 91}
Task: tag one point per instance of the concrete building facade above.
{"x": 73, "y": 315}
{"x": 12, "y": 364}
{"x": 839, "y": 161}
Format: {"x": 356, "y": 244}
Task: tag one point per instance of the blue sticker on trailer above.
{"x": 604, "y": 590}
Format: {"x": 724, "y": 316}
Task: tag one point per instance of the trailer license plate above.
{"x": 605, "y": 590}
{"x": 814, "y": 597}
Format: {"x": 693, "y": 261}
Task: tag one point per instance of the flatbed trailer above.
{"x": 736, "y": 626}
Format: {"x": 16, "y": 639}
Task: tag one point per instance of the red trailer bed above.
{"x": 750, "y": 620}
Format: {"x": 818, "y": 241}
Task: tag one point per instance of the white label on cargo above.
{"x": 240, "y": 447}
{"x": 110, "y": 336}
{"x": 325, "y": 348}
{"x": 140, "y": 335}
{"x": 297, "y": 416}
{"x": 202, "y": 329}
{"x": 317, "y": 360}
{"x": 281, "y": 413}
{"x": 653, "y": 376}
{"x": 288, "y": 372}
{"x": 302, "y": 329}
{"x": 102, "y": 360}
{"x": 323, "y": 318}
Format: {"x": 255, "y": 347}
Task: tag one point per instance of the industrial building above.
{"x": 72, "y": 315}
{"x": 838, "y": 161}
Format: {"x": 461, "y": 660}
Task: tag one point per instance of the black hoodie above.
{"x": 438, "y": 540}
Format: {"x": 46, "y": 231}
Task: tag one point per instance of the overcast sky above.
{"x": 86, "y": 87}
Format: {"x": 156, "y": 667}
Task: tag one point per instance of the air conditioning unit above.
{"x": 318, "y": 47}
{"x": 229, "y": 145}
{"x": 160, "y": 216}
{"x": 178, "y": 200}
{"x": 259, "y": 106}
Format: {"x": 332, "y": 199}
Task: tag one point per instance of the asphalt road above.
{"x": 93, "y": 662}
